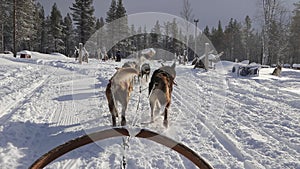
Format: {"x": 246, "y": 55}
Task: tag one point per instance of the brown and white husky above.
{"x": 160, "y": 90}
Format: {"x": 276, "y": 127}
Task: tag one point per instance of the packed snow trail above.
{"x": 231, "y": 122}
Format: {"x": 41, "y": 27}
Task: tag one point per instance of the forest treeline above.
{"x": 24, "y": 25}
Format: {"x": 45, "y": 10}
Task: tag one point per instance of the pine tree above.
{"x": 156, "y": 35}
{"x": 83, "y": 17}
{"x": 133, "y": 38}
{"x": 118, "y": 25}
{"x": 206, "y": 32}
{"x": 5, "y": 25}
{"x": 139, "y": 38}
{"x": 39, "y": 42}
{"x": 111, "y": 14}
{"x": 175, "y": 38}
{"x": 25, "y": 24}
{"x": 217, "y": 37}
{"x": 166, "y": 36}
{"x": 99, "y": 23}
{"x": 56, "y": 29}
{"x": 145, "y": 36}
{"x": 68, "y": 32}
{"x": 294, "y": 39}
{"x": 100, "y": 35}
{"x": 122, "y": 30}
{"x": 233, "y": 41}
{"x": 248, "y": 36}
{"x": 111, "y": 27}
{"x": 48, "y": 37}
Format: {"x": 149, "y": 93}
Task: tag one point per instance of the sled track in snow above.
{"x": 201, "y": 114}
{"x": 117, "y": 132}
{"x": 247, "y": 118}
{"x": 9, "y": 110}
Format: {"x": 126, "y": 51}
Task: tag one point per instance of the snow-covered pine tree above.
{"x": 84, "y": 19}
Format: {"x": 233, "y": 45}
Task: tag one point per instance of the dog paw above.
{"x": 165, "y": 123}
{"x": 123, "y": 122}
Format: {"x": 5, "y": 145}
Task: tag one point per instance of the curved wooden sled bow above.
{"x": 117, "y": 132}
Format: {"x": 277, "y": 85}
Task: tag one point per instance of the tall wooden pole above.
{"x": 195, "y": 50}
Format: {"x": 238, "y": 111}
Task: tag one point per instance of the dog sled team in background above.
{"x": 160, "y": 88}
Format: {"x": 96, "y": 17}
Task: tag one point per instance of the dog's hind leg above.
{"x": 113, "y": 110}
{"x": 111, "y": 104}
{"x": 124, "y": 103}
{"x": 152, "y": 105}
{"x": 166, "y": 114}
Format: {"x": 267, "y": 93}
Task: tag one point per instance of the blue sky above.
{"x": 207, "y": 11}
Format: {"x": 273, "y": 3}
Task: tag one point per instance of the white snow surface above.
{"x": 232, "y": 122}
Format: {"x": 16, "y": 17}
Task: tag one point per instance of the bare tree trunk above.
{"x": 14, "y": 27}
{"x": 187, "y": 15}
{"x": 2, "y": 37}
{"x": 274, "y": 25}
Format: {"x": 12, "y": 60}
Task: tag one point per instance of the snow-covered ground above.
{"x": 232, "y": 122}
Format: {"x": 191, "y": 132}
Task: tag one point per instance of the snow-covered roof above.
{"x": 26, "y": 52}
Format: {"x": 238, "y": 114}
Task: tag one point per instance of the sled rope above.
{"x": 125, "y": 144}
{"x": 126, "y": 139}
